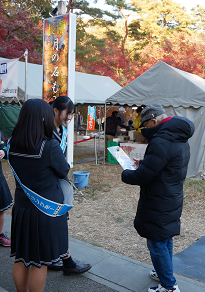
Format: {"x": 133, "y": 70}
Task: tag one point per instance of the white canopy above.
{"x": 163, "y": 84}
{"x": 89, "y": 88}
{"x": 181, "y": 94}
{"x": 93, "y": 89}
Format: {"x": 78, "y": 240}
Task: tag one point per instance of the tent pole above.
{"x": 26, "y": 62}
{"x": 87, "y": 122}
{"x": 75, "y": 130}
{"x": 95, "y": 146}
{"x": 99, "y": 124}
{"x": 104, "y": 135}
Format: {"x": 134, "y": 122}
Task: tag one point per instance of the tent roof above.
{"x": 93, "y": 89}
{"x": 89, "y": 89}
{"x": 163, "y": 84}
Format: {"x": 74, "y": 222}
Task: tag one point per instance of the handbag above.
{"x": 67, "y": 190}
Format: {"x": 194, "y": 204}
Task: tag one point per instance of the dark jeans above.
{"x": 78, "y": 127}
{"x": 161, "y": 255}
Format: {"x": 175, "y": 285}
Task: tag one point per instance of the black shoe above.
{"x": 79, "y": 269}
{"x": 56, "y": 266}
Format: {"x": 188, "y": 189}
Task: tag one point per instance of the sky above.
{"x": 187, "y": 3}
{"x": 191, "y": 3}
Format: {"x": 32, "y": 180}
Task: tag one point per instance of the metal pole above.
{"x": 76, "y": 122}
{"x": 26, "y": 61}
{"x": 95, "y": 146}
{"x": 61, "y": 7}
{"x": 86, "y": 124}
{"x": 99, "y": 119}
{"x": 71, "y": 83}
{"x": 104, "y": 135}
{"x": 99, "y": 133}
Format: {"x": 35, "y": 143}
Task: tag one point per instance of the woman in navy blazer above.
{"x": 6, "y": 200}
{"x": 37, "y": 240}
{"x": 64, "y": 109}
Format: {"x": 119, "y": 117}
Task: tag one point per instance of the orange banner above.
{"x": 91, "y": 118}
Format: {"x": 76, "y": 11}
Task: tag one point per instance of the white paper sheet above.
{"x": 122, "y": 158}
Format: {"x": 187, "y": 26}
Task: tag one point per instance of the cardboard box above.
{"x": 124, "y": 138}
{"x": 118, "y": 140}
{"x": 134, "y": 150}
{"x": 133, "y": 134}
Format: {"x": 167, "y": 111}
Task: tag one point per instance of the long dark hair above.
{"x": 61, "y": 103}
{"x": 34, "y": 123}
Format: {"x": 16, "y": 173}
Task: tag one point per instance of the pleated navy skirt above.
{"x": 6, "y": 200}
{"x": 38, "y": 239}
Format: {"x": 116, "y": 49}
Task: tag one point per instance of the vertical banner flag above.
{"x": 9, "y": 78}
{"x": 91, "y": 118}
{"x": 59, "y": 65}
{"x": 55, "y": 63}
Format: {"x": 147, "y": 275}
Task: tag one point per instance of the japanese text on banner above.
{"x": 91, "y": 118}
{"x": 55, "y": 65}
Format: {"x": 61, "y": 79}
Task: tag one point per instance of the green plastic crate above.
{"x": 110, "y": 157}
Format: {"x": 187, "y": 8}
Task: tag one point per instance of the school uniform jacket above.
{"x": 40, "y": 171}
{"x": 58, "y": 137}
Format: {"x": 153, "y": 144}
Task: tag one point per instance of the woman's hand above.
{"x": 136, "y": 162}
{"x": 2, "y": 154}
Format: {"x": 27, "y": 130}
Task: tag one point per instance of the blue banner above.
{"x": 63, "y": 140}
{"x": 91, "y": 118}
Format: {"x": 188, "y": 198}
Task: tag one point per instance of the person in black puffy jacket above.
{"x": 160, "y": 176}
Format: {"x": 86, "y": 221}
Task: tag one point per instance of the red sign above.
{"x": 91, "y": 118}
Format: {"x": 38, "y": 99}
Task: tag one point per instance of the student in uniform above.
{"x": 64, "y": 109}
{"x": 37, "y": 238}
{"x": 6, "y": 200}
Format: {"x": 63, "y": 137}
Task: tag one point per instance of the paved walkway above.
{"x": 110, "y": 272}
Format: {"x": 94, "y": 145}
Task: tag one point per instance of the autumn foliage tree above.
{"x": 17, "y": 33}
{"x": 38, "y": 9}
{"x": 187, "y": 54}
{"x": 154, "y": 26}
{"x": 112, "y": 62}
{"x": 198, "y": 14}
{"x": 121, "y": 43}
{"x": 180, "y": 51}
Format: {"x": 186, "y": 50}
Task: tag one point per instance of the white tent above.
{"x": 93, "y": 89}
{"x": 181, "y": 94}
{"x": 89, "y": 89}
